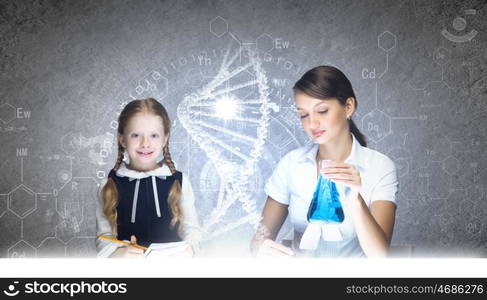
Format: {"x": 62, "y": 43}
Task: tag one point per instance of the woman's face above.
{"x": 323, "y": 120}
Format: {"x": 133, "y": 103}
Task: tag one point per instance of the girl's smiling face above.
{"x": 323, "y": 120}
{"x": 144, "y": 139}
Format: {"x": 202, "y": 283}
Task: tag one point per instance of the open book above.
{"x": 165, "y": 249}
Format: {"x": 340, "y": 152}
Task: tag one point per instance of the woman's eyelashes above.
{"x": 320, "y": 112}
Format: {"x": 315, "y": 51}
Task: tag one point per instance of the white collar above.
{"x": 311, "y": 151}
{"x": 161, "y": 172}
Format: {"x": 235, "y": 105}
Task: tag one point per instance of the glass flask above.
{"x": 325, "y": 207}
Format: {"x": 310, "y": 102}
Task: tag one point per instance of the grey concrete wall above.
{"x": 418, "y": 69}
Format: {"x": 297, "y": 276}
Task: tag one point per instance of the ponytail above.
{"x": 356, "y": 132}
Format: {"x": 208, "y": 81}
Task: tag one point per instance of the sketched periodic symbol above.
{"x": 11, "y": 290}
{"x": 459, "y": 24}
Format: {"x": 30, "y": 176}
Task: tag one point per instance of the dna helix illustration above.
{"x": 228, "y": 118}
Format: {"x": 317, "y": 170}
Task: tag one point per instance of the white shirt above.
{"x": 192, "y": 233}
{"x": 294, "y": 180}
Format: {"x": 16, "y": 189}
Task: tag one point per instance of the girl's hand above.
{"x": 343, "y": 173}
{"x": 270, "y": 248}
{"x": 129, "y": 251}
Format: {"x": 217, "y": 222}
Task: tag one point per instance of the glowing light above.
{"x": 226, "y": 108}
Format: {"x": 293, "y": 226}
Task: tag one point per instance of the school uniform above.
{"x": 293, "y": 183}
{"x": 143, "y": 209}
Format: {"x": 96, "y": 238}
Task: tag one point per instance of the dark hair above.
{"x": 325, "y": 82}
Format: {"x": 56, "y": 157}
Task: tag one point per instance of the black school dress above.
{"x": 143, "y": 209}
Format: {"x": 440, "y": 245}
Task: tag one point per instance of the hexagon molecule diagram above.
{"x": 265, "y": 42}
{"x": 376, "y": 125}
{"x": 21, "y": 201}
{"x": 218, "y": 26}
{"x": 21, "y": 250}
{"x": 435, "y": 94}
{"x": 441, "y": 56}
{"x": 7, "y": 113}
{"x": 387, "y": 41}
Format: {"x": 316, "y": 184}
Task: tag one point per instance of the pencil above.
{"x": 121, "y": 242}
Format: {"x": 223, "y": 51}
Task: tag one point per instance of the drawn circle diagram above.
{"x": 459, "y": 23}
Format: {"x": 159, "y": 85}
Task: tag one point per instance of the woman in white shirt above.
{"x": 366, "y": 179}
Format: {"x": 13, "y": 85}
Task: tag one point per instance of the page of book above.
{"x": 165, "y": 249}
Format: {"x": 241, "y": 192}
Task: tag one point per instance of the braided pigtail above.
{"x": 174, "y": 198}
{"x": 121, "y": 151}
{"x": 110, "y": 194}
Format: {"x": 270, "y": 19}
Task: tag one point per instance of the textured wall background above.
{"x": 67, "y": 67}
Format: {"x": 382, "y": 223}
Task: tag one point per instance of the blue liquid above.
{"x": 325, "y": 206}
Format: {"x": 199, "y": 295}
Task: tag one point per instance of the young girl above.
{"x": 366, "y": 179}
{"x": 144, "y": 200}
